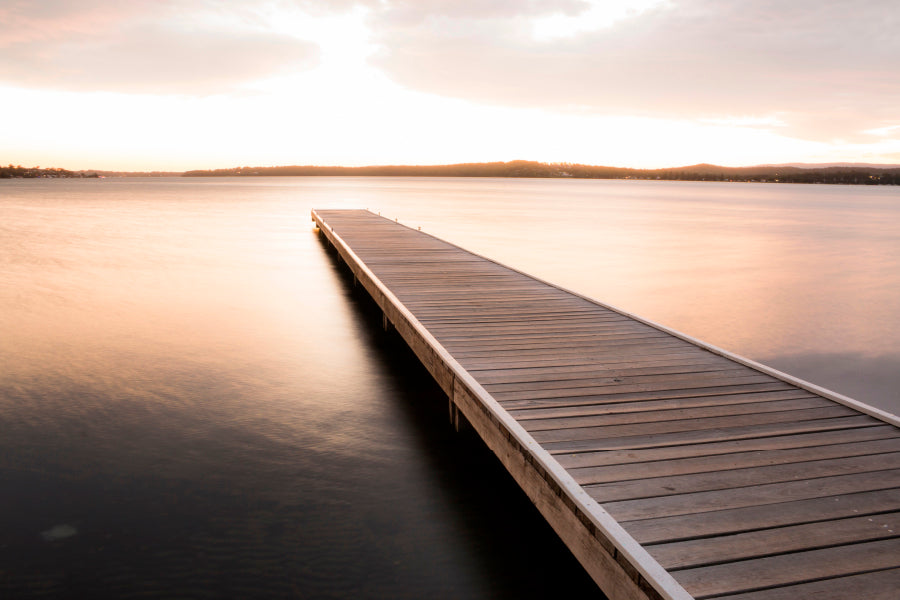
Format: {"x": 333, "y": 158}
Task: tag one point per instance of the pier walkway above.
{"x": 671, "y": 469}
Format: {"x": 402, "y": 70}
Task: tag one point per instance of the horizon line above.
{"x": 799, "y": 165}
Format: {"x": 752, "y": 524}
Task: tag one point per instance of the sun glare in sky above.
{"x": 637, "y": 83}
{"x": 597, "y": 15}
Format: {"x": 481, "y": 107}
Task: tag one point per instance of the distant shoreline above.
{"x": 847, "y": 174}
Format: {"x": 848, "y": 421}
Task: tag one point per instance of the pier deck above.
{"x": 670, "y": 468}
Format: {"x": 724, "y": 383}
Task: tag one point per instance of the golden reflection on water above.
{"x": 767, "y": 271}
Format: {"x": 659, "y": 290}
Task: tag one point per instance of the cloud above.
{"x": 884, "y": 131}
{"x": 417, "y": 11}
{"x": 141, "y": 47}
{"x": 825, "y": 69}
{"x": 26, "y": 21}
{"x": 155, "y": 61}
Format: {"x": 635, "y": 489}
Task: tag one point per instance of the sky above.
{"x": 197, "y": 84}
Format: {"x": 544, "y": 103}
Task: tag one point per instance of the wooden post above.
{"x": 454, "y": 415}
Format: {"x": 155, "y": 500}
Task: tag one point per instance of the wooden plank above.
{"x": 488, "y": 363}
{"x": 694, "y": 424}
{"x": 767, "y": 443}
{"x": 525, "y": 326}
{"x": 757, "y": 495}
{"x": 519, "y": 319}
{"x": 699, "y": 380}
{"x": 559, "y": 343}
{"x": 728, "y": 462}
{"x": 876, "y": 585}
{"x": 541, "y": 314}
{"x": 745, "y": 477}
{"x": 530, "y": 331}
{"x": 634, "y": 414}
{"x": 780, "y": 540}
{"x": 464, "y": 316}
{"x": 716, "y": 390}
{"x": 707, "y": 436}
{"x": 669, "y": 404}
{"x": 637, "y": 346}
{"x": 601, "y": 380}
{"x": 738, "y": 520}
{"x": 570, "y": 372}
{"x": 460, "y": 294}
{"x": 799, "y": 567}
{"x": 438, "y": 308}
{"x": 560, "y": 340}
{"x": 613, "y": 395}
{"x": 634, "y": 347}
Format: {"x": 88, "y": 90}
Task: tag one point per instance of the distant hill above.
{"x": 833, "y": 174}
{"x": 140, "y": 173}
{"x": 20, "y": 172}
{"x": 844, "y": 165}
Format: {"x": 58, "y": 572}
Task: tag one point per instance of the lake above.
{"x": 196, "y": 402}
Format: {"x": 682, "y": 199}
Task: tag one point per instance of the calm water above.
{"x": 194, "y": 401}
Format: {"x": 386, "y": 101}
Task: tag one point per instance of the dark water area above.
{"x": 196, "y": 402}
{"x": 207, "y": 503}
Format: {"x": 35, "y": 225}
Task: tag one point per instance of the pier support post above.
{"x": 458, "y": 420}
{"x": 454, "y": 415}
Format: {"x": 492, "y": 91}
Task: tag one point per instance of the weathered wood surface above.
{"x": 671, "y": 469}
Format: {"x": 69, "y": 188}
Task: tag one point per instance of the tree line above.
{"x": 19, "y": 172}
{"x": 853, "y": 175}
{"x": 847, "y": 175}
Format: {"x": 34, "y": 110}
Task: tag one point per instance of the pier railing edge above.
{"x": 626, "y": 553}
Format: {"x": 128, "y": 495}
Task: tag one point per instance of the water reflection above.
{"x": 194, "y": 389}
{"x": 191, "y": 384}
{"x": 855, "y": 374}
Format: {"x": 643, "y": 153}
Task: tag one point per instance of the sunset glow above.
{"x": 637, "y": 83}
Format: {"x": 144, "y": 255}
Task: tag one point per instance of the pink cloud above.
{"x": 141, "y": 46}
{"x": 26, "y": 21}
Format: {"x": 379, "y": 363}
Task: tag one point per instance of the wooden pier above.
{"x": 670, "y": 468}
